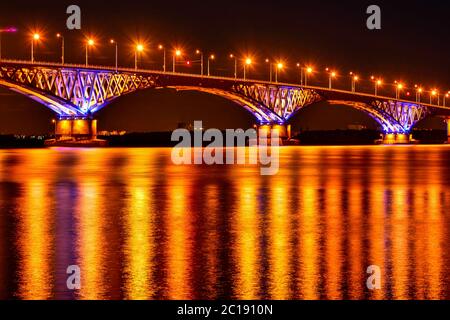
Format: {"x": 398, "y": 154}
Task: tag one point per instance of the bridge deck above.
{"x": 227, "y": 79}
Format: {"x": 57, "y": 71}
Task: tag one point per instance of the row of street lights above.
{"x": 275, "y": 67}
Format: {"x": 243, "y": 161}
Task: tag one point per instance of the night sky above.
{"x": 413, "y": 46}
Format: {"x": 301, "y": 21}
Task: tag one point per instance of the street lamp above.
{"x": 355, "y": 79}
{"x": 139, "y": 48}
{"x": 60, "y": 36}
{"x": 211, "y": 57}
{"x": 232, "y": 56}
{"x": 89, "y": 43}
{"x": 114, "y": 42}
{"x": 377, "y": 83}
{"x": 200, "y": 53}
{"x": 419, "y": 91}
{"x": 277, "y": 69}
{"x": 432, "y": 94}
{"x": 331, "y": 75}
{"x": 309, "y": 71}
{"x": 398, "y": 89}
{"x": 161, "y": 47}
{"x": 5, "y": 30}
{"x": 247, "y": 63}
{"x": 270, "y": 68}
{"x": 36, "y": 37}
{"x": 176, "y": 54}
{"x": 446, "y": 96}
{"x": 301, "y": 72}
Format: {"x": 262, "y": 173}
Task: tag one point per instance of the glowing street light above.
{"x": 446, "y": 96}
{"x": 433, "y": 93}
{"x": 139, "y": 49}
{"x": 398, "y": 89}
{"x": 355, "y": 79}
{"x": 377, "y": 83}
{"x": 419, "y": 91}
{"x": 232, "y": 56}
{"x": 301, "y": 72}
{"x": 278, "y": 68}
{"x": 114, "y": 42}
{"x": 247, "y": 63}
{"x": 211, "y": 57}
{"x": 309, "y": 70}
{"x": 177, "y": 53}
{"x": 331, "y": 75}
{"x": 89, "y": 43}
{"x": 36, "y": 37}
{"x": 5, "y": 30}
{"x": 270, "y": 68}
{"x": 60, "y": 36}
{"x": 161, "y": 47}
{"x": 200, "y": 53}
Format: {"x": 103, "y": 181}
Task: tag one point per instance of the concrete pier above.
{"x": 76, "y": 133}
{"x": 396, "y": 138}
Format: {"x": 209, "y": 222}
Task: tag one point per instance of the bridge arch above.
{"x": 259, "y": 111}
{"x": 385, "y": 121}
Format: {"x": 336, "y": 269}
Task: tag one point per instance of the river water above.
{"x": 140, "y": 227}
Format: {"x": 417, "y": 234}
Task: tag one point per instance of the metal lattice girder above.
{"x": 281, "y": 100}
{"x": 403, "y": 115}
{"x": 71, "y": 91}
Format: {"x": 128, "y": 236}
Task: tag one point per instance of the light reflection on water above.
{"x": 140, "y": 227}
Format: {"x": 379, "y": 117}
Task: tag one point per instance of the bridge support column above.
{"x": 447, "y": 121}
{"x": 396, "y": 138}
{"x": 76, "y": 129}
{"x": 284, "y": 130}
{"x": 76, "y": 132}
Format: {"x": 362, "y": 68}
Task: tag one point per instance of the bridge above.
{"x": 76, "y": 92}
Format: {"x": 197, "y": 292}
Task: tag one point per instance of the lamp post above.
{"x": 309, "y": 70}
{"x": 210, "y": 58}
{"x": 200, "y": 53}
{"x": 301, "y": 72}
{"x": 89, "y": 43}
{"x": 60, "y": 36}
{"x": 398, "y": 89}
{"x": 378, "y": 83}
{"x": 433, "y": 93}
{"x": 36, "y": 37}
{"x": 232, "y": 56}
{"x": 355, "y": 79}
{"x": 177, "y": 53}
{"x": 445, "y": 99}
{"x": 418, "y": 94}
{"x": 331, "y": 75}
{"x": 161, "y": 47}
{"x": 114, "y": 42}
{"x": 277, "y": 69}
{"x": 270, "y": 69}
{"x": 247, "y": 63}
{"x": 139, "y": 48}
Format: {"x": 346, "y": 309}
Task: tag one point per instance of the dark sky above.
{"x": 413, "y": 46}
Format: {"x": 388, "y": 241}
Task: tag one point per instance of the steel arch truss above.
{"x": 283, "y": 101}
{"x": 72, "y": 92}
{"x": 403, "y": 115}
{"x": 393, "y": 116}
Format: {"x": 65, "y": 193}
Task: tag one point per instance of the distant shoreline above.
{"x": 163, "y": 139}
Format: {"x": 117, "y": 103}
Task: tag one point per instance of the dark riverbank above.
{"x": 163, "y": 139}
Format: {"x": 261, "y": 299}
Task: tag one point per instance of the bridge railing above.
{"x": 199, "y": 76}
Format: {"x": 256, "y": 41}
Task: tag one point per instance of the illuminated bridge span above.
{"x": 77, "y": 92}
